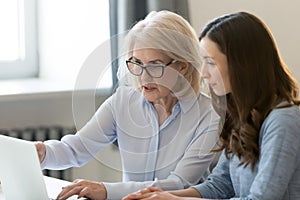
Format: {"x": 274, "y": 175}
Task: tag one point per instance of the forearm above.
{"x": 118, "y": 190}
{"x": 125, "y": 188}
{"x": 57, "y": 156}
{"x": 190, "y": 192}
{"x": 69, "y": 152}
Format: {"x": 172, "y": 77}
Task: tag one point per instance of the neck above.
{"x": 164, "y": 108}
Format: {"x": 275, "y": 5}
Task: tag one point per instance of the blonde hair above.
{"x": 172, "y": 35}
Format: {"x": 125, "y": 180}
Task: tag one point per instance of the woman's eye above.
{"x": 210, "y": 63}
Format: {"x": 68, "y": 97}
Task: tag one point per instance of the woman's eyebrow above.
{"x": 135, "y": 59}
{"x": 132, "y": 57}
{"x": 207, "y": 57}
{"x": 150, "y": 61}
{"x": 156, "y": 60}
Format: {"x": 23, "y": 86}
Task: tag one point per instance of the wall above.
{"x": 282, "y": 17}
{"x": 19, "y": 111}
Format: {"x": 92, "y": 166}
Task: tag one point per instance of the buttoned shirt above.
{"x": 176, "y": 152}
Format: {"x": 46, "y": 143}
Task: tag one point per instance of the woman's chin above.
{"x": 149, "y": 96}
{"x": 220, "y": 92}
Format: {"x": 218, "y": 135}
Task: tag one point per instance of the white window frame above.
{"x": 27, "y": 66}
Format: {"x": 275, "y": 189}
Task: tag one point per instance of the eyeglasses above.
{"x": 153, "y": 70}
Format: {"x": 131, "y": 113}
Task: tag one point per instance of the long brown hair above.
{"x": 259, "y": 81}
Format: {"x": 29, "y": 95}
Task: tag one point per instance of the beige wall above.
{"x": 282, "y": 17}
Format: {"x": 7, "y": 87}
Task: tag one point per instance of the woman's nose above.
{"x": 145, "y": 76}
{"x": 204, "y": 73}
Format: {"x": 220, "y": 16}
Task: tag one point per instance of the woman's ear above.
{"x": 183, "y": 68}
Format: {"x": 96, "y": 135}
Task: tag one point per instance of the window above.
{"x": 18, "y": 49}
{"x": 51, "y": 40}
{"x": 69, "y": 32}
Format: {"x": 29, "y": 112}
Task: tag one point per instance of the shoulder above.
{"x": 282, "y": 121}
{"x": 199, "y": 103}
{"x": 205, "y": 104}
{"x": 124, "y": 92}
{"x": 204, "y": 97}
{"x": 121, "y": 96}
{"x": 126, "y": 97}
{"x": 284, "y": 116}
{"x": 204, "y": 101}
{"x": 204, "y": 108}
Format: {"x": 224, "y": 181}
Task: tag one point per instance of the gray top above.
{"x": 276, "y": 175}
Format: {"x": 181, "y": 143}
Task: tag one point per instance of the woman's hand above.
{"x": 41, "y": 150}
{"x": 151, "y": 193}
{"x": 83, "y": 188}
{"x": 141, "y": 193}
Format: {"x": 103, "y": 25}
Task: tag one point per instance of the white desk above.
{"x": 53, "y": 187}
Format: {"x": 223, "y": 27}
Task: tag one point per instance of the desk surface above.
{"x": 53, "y": 187}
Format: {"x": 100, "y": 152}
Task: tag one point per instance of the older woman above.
{"x": 165, "y": 127}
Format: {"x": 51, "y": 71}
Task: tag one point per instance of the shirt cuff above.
{"x": 116, "y": 191}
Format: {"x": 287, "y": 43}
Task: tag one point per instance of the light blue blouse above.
{"x": 177, "y": 152}
{"x": 276, "y": 175}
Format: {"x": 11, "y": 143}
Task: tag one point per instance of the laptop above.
{"x": 20, "y": 172}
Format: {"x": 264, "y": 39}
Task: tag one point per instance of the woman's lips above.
{"x": 148, "y": 88}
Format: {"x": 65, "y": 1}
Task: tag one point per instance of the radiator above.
{"x": 41, "y": 134}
